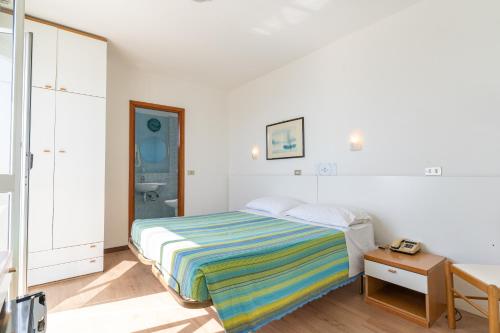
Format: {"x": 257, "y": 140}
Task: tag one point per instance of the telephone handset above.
{"x": 405, "y": 246}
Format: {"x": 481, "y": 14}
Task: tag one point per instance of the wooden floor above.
{"x": 127, "y": 298}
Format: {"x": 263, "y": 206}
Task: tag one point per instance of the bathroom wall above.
{"x": 154, "y": 208}
{"x": 168, "y": 134}
{"x": 161, "y": 168}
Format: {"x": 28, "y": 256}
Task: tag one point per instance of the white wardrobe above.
{"x": 66, "y": 197}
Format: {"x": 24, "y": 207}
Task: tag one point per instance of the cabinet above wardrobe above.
{"x": 44, "y": 58}
{"x": 66, "y": 61}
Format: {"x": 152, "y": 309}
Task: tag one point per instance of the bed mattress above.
{"x": 359, "y": 240}
{"x": 255, "y": 268}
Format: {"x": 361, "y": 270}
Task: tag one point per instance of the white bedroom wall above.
{"x": 422, "y": 86}
{"x": 205, "y": 141}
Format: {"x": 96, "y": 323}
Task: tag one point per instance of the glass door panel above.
{"x": 5, "y": 95}
{"x": 6, "y": 176}
{"x": 4, "y": 221}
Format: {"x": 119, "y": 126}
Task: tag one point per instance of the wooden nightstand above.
{"x": 412, "y": 287}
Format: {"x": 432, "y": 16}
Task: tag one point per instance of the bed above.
{"x": 253, "y": 267}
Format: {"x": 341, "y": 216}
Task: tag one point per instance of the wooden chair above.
{"x": 484, "y": 277}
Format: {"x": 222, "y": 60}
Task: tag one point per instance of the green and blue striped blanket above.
{"x": 254, "y": 268}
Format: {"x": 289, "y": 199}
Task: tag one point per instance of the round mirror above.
{"x": 153, "y": 150}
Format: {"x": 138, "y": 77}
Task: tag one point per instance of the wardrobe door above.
{"x": 79, "y": 169}
{"x": 44, "y": 54}
{"x": 81, "y": 64}
{"x": 42, "y": 173}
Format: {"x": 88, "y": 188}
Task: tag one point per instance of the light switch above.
{"x": 297, "y": 172}
{"x": 433, "y": 171}
{"x": 190, "y": 172}
{"x": 327, "y": 169}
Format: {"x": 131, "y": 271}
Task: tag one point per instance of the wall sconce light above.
{"x": 356, "y": 141}
{"x": 255, "y": 152}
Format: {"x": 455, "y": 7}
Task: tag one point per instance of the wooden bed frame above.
{"x": 185, "y": 302}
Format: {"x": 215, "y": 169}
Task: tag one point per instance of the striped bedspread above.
{"x": 254, "y": 268}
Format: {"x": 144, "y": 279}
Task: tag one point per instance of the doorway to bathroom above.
{"x": 156, "y": 161}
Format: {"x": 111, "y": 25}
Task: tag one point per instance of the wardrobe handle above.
{"x": 62, "y": 89}
{"x": 46, "y": 150}
{"x": 92, "y": 246}
{"x": 62, "y": 151}
{"x": 48, "y": 86}
{"x": 92, "y": 261}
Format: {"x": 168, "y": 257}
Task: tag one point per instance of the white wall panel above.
{"x": 244, "y": 188}
{"x": 457, "y": 217}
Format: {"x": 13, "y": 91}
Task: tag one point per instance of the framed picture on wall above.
{"x": 285, "y": 139}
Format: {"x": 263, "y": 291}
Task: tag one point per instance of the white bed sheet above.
{"x": 360, "y": 238}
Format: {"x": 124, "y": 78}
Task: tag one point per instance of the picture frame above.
{"x": 285, "y": 139}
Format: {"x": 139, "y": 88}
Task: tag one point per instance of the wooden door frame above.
{"x": 131, "y": 181}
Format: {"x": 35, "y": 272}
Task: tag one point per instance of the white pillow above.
{"x": 329, "y": 215}
{"x": 274, "y": 204}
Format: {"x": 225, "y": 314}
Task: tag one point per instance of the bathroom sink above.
{"x": 148, "y": 187}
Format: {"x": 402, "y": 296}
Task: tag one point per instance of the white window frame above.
{"x": 14, "y": 182}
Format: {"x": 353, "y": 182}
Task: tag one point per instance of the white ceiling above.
{"x": 222, "y": 42}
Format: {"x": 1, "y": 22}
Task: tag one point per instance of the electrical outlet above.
{"x": 190, "y": 172}
{"x": 433, "y": 171}
{"x": 297, "y": 172}
{"x": 327, "y": 169}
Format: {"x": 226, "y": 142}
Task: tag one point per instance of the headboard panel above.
{"x": 457, "y": 217}
{"x": 244, "y": 188}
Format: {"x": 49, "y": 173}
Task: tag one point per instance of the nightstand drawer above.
{"x": 397, "y": 276}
